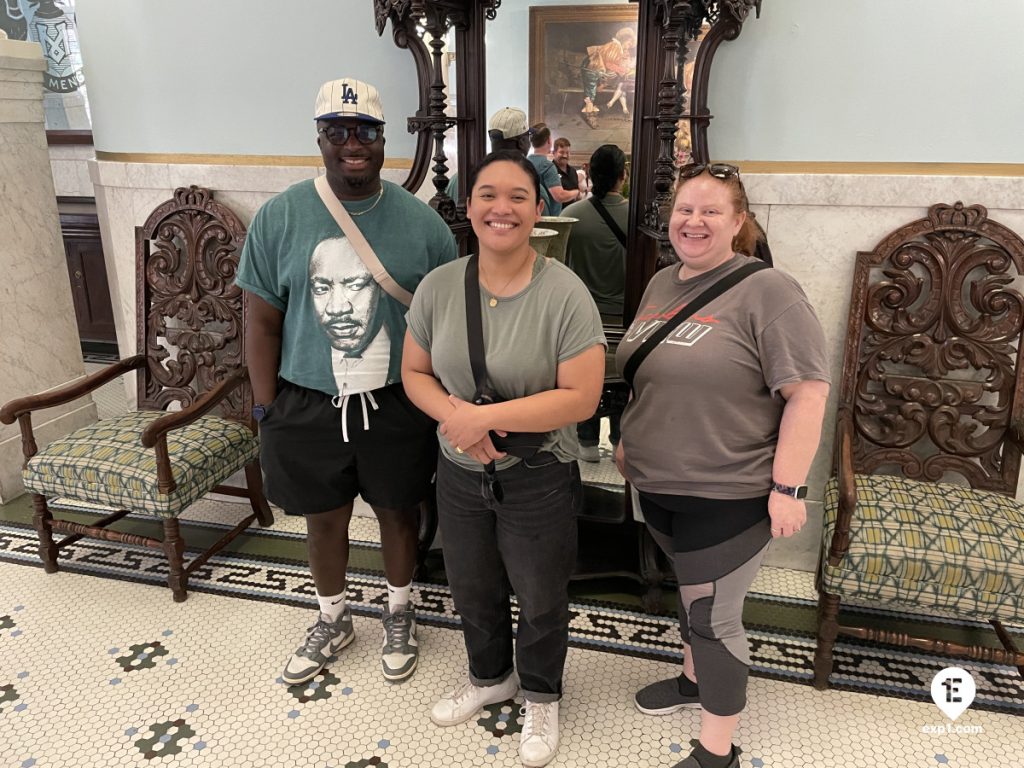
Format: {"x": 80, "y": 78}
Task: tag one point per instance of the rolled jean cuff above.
{"x": 486, "y": 683}
{"x": 541, "y": 698}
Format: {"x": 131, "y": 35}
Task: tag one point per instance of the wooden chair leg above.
{"x": 828, "y": 630}
{"x": 174, "y": 549}
{"x": 41, "y": 519}
{"x": 254, "y": 484}
{"x": 1007, "y": 641}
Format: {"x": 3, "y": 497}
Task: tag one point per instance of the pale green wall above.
{"x": 869, "y": 80}
{"x": 853, "y": 80}
{"x": 232, "y": 76}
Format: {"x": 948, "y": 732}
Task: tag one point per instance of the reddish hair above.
{"x": 750, "y": 233}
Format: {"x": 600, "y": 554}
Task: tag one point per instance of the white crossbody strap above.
{"x": 362, "y": 248}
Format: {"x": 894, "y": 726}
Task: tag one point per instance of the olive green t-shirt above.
{"x": 705, "y": 414}
{"x": 526, "y": 336}
{"x": 595, "y": 253}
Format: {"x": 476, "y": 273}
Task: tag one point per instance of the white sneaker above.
{"x": 538, "y": 742}
{"x": 590, "y": 453}
{"x": 468, "y": 699}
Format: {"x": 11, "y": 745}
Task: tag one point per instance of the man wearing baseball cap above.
{"x": 508, "y": 129}
{"x": 324, "y": 344}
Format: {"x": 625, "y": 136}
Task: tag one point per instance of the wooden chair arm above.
{"x": 847, "y": 487}
{"x": 24, "y": 405}
{"x": 159, "y": 428}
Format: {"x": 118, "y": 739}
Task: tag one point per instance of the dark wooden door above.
{"x": 89, "y": 288}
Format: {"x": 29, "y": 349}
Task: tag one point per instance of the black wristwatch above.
{"x": 258, "y": 412}
{"x": 796, "y": 491}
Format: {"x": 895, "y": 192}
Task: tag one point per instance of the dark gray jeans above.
{"x": 528, "y": 540}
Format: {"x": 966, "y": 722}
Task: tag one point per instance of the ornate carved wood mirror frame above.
{"x": 665, "y": 29}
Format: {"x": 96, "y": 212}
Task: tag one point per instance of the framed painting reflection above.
{"x": 582, "y": 73}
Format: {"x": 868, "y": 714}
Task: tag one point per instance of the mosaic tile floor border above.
{"x": 776, "y": 655}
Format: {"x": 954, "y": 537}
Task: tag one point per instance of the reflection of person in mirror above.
{"x": 611, "y": 62}
{"x": 345, "y": 298}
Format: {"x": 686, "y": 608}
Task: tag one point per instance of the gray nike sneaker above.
{"x": 401, "y": 649}
{"x": 324, "y": 639}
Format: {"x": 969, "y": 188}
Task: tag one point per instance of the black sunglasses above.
{"x": 494, "y": 483}
{"x": 718, "y": 170}
{"x": 338, "y": 134}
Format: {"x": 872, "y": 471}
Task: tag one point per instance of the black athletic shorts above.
{"x": 308, "y": 467}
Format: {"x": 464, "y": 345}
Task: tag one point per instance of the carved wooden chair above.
{"x": 921, "y": 514}
{"x": 174, "y": 449}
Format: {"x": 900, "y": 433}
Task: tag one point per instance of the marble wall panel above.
{"x": 40, "y": 346}
{"x": 69, "y": 165}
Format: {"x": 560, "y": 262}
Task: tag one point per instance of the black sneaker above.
{"x": 693, "y": 762}
{"x": 664, "y": 698}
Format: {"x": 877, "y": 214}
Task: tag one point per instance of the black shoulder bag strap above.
{"x": 685, "y": 313}
{"x": 475, "y": 326}
{"x": 615, "y": 228}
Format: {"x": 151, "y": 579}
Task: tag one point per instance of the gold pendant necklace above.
{"x": 493, "y": 301}
{"x": 380, "y": 196}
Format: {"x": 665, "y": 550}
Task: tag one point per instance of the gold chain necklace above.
{"x": 380, "y": 196}
{"x": 493, "y": 302}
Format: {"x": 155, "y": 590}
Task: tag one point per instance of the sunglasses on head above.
{"x": 718, "y": 170}
{"x": 338, "y": 134}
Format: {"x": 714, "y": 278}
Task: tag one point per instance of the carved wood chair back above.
{"x": 932, "y": 376}
{"x": 189, "y": 312}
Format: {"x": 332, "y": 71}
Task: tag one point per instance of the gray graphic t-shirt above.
{"x": 526, "y": 336}
{"x": 342, "y": 332}
{"x": 706, "y": 408}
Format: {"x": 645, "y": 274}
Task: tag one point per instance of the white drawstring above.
{"x": 341, "y": 401}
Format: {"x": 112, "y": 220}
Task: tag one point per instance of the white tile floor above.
{"x": 96, "y": 672}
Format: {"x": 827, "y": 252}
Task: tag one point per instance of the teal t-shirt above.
{"x": 342, "y": 332}
{"x": 548, "y": 178}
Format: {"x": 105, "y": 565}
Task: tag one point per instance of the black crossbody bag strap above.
{"x": 475, "y": 326}
{"x": 695, "y": 306}
{"x": 616, "y": 230}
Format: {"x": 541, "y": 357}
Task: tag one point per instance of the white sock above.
{"x": 331, "y": 605}
{"x": 399, "y": 596}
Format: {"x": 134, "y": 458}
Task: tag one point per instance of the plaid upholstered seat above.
{"x": 106, "y": 462}
{"x": 930, "y": 545}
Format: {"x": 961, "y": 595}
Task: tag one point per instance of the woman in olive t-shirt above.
{"x": 515, "y": 522}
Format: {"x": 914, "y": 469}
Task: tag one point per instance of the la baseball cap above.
{"x": 348, "y": 97}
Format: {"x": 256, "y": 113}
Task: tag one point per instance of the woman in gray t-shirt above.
{"x": 506, "y": 520}
{"x": 718, "y": 439}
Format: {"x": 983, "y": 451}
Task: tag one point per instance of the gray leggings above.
{"x": 713, "y": 583}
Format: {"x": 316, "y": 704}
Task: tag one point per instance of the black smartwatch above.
{"x": 796, "y": 491}
{"x": 258, "y": 412}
